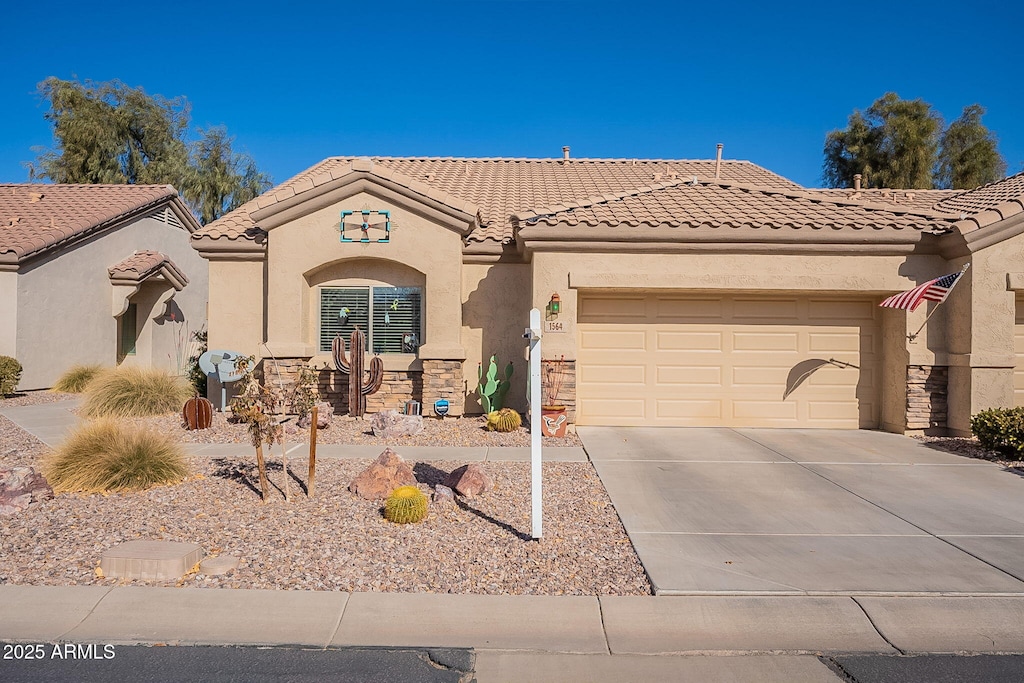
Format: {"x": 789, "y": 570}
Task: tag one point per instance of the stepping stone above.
{"x": 221, "y": 564}
{"x": 150, "y": 560}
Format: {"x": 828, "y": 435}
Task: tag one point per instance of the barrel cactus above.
{"x": 405, "y": 505}
{"x": 504, "y": 420}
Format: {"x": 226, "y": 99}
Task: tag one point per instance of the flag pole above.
{"x": 912, "y": 337}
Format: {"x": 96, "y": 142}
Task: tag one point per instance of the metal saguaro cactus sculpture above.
{"x": 353, "y": 367}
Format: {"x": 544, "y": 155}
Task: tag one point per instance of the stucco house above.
{"x": 689, "y": 293}
{"x": 96, "y": 274}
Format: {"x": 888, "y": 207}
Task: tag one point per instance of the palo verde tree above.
{"x": 113, "y": 133}
{"x": 901, "y": 144}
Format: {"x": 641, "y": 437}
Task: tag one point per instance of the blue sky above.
{"x": 295, "y": 83}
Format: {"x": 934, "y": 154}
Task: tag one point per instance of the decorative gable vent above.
{"x": 165, "y": 215}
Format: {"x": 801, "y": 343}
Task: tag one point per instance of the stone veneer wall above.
{"x": 443, "y": 379}
{"x": 926, "y": 396}
{"x": 567, "y": 389}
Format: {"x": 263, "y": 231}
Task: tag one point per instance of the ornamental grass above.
{"x": 135, "y": 392}
{"x": 76, "y": 378}
{"x": 105, "y": 456}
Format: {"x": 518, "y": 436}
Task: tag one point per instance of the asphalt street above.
{"x": 67, "y": 662}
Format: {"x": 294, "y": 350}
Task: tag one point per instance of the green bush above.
{"x": 1001, "y": 429}
{"x": 105, "y": 456}
{"x": 10, "y": 375}
{"x": 135, "y": 392}
{"x": 76, "y": 378}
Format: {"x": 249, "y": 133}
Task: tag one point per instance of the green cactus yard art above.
{"x": 491, "y": 389}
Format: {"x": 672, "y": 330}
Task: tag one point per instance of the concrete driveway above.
{"x": 821, "y": 512}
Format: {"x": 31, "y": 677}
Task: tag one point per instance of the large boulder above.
{"x": 387, "y": 473}
{"x": 390, "y": 423}
{"x": 324, "y": 414}
{"x": 21, "y": 486}
{"x": 469, "y": 480}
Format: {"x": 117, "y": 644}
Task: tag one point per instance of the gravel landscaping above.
{"x": 334, "y": 541}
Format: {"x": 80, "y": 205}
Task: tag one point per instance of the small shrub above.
{"x": 10, "y": 375}
{"x": 105, "y": 456}
{"x": 76, "y": 378}
{"x": 406, "y": 505}
{"x": 135, "y": 392}
{"x": 1001, "y": 429}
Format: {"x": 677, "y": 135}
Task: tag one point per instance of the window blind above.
{"x": 391, "y": 317}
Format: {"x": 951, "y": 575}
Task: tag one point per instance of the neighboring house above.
{"x": 96, "y": 274}
{"x": 692, "y": 293}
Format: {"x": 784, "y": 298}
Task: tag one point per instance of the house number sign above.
{"x": 365, "y": 223}
{"x": 555, "y": 326}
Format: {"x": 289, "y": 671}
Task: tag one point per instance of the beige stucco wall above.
{"x": 495, "y": 311}
{"x": 980, "y": 331}
{"x": 237, "y": 291}
{"x": 300, "y": 252}
{"x": 860, "y": 274}
{"x": 8, "y": 313}
{"x": 65, "y": 302}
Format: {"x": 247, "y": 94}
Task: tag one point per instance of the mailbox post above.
{"x": 533, "y": 333}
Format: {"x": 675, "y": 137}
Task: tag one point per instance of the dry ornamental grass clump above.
{"x": 104, "y": 456}
{"x": 135, "y": 392}
{"x": 76, "y": 378}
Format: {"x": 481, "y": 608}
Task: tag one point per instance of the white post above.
{"x": 533, "y": 334}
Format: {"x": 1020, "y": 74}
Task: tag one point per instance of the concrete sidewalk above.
{"x": 529, "y": 633}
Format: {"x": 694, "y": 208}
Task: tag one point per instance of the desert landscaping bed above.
{"x": 334, "y": 541}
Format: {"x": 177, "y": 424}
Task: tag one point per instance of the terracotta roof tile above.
{"x": 908, "y": 200}
{"x": 716, "y": 204}
{"x": 144, "y": 264}
{"x": 36, "y": 217}
{"x": 985, "y": 197}
{"x": 501, "y": 187}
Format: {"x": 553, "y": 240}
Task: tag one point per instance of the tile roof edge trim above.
{"x": 462, "y": 215}
{"x": 979, "y": 236}
{"x": 547, "y": 213}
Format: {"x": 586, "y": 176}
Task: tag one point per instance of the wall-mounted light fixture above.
{"x": 555, "y": 305}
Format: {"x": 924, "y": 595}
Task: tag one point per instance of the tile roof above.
{"x": 986, "y": 197}
{"x": 918, "y": 200}
{"x": 38, "y": 217}
{"x": 500, "y": 187}
{"x": 144, "y": 264}
{"x": 722, "y": 204}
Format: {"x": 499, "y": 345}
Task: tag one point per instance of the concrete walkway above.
{"x": 50, "y": 423}
{"x": 811, "y": 512}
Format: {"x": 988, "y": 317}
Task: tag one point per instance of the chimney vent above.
{"x": 856, "y": 182}
{"x": 565, "y": 155}
{"x": 718, "y": 161}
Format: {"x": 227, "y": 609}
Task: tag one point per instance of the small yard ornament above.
{"x": 353, "y": 367}
{"x": 197, "y": 413}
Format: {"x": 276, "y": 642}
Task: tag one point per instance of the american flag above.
{"x": 933, "y": 290}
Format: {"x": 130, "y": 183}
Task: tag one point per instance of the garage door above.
{"x": 738, "y": 360}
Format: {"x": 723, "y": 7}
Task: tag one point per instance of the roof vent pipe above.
{"x": 856, "y": 182}
{"x": 565, "y": 155}
{"x": 718, "y": 161}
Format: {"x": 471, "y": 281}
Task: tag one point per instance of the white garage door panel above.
{"x": 673, "y": 360}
